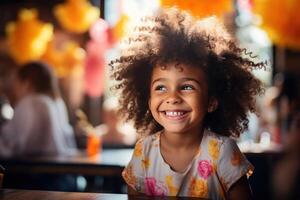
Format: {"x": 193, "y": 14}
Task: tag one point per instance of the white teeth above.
{"x": 173, "y": 113}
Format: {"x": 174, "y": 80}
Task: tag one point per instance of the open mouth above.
{"x": 175, "y": 115}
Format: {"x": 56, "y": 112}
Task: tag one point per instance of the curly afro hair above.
{"x": 175, "y": 36}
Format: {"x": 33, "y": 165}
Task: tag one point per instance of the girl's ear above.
{"x": 212, "y": 104}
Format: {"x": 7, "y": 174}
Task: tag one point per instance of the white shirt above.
{"x": 216, "y": 167}
{"x": 39, "y": 127}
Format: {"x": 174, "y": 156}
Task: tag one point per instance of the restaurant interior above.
{"x": 78, "y": 38}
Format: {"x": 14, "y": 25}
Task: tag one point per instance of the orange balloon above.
{"x": 119, "y": 31}
{"x": 76, "y": 15}
{"x": 28, "y": 37}
{"x": 66, "y": 60}
{"x": 201, "y": 8}
{"x": 281, "y": 20}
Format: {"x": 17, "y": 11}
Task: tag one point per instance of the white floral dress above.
{"x": 217, "y": 165}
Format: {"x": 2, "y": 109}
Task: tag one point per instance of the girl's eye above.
{"x": 160, "y": 88}
{"x": 187, "y": 87}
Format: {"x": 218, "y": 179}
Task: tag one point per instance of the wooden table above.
{"x": 109, "y": 163}
{"x": 8, "y": 194}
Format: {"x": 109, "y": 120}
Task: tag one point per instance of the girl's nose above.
{"x": 173, "y": 99}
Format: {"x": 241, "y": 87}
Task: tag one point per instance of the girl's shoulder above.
{"x": 208, "y": 135}
{"x": 149, "y": 138}
{"x": 211, "y": 138}
{"x": 148, "y": 142}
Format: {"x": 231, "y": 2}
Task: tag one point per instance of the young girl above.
{"x": 187, "y": 87}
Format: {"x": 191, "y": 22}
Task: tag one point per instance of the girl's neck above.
{"x": 182, "y": 140}
{"x": 179, "y": 149}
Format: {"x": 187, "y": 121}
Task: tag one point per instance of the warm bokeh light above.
{"x": 66, "y": 60}
{"x": 76, "y": 15}
{"x": 101, "y": 40}
{"x": 119, "y": 30}
{"x": 28, "y": 37}
{"x": 201, "y": 8}
{"x": 281, "y": 20}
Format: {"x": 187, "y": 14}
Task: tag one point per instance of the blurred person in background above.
{"x": 286, "y": 173}
{"x": 40, "y": 122}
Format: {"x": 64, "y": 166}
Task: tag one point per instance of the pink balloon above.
{"x": 94, "y": 76}
{"x": 100, "y": 32}
{"x": 94, "y": 68}
{"x": 95, "y": 49}
{"x": 101, "y": 41}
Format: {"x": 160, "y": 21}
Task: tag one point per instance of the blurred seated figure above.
{"x": 114, "y": 131}
{"x": 40, "y": 122}
{"x": 286, "y": 174}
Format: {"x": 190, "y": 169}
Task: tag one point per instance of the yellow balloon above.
{"x": 119, "y": 30}
{"x": 28, "y": 37}
{"x": 65, "y": 61}
{"x": 76, "y": 15}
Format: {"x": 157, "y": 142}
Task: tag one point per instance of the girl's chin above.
{"x": 174, "y": 130}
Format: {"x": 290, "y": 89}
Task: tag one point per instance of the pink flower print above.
{"x": 154, "y": 188}
{"x": 204, "y": 168}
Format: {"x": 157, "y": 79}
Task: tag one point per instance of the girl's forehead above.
{"x": 178, "y": 67}
{"x": 178, "y": 71}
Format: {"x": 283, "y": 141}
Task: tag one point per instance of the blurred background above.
{"x": 78, "y": 38}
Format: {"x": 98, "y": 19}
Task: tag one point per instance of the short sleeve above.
{"x": 232, "y": 164}
{"x": 133, "y": 173}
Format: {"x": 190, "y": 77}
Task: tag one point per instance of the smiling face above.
{"x": 178, "y": 98}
